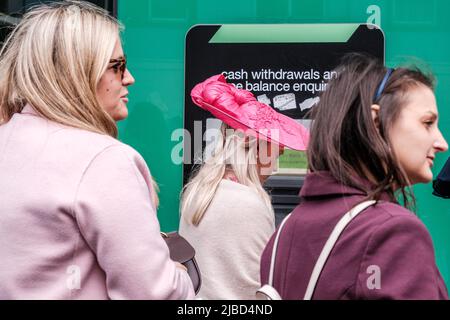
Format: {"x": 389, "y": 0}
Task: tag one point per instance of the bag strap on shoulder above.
{"x": 268, "y": 289}
{"x": 343, "y": 222}
{"x": 274, "y": 250}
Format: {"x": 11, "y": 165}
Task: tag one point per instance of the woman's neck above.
{"x": 229, "y": 175}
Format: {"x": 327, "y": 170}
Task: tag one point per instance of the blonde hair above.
{"x": 233, "y": 152}
{"x": 54, "y": 60}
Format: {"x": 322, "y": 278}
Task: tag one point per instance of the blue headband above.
{"x": 382, "y": 84}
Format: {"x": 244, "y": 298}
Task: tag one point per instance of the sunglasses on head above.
{"x": 119, "y": 65}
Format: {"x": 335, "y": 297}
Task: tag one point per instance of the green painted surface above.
{"x": 154, "y": 41}
{"x": 283, "y": 33}
{"x": 292, "y": 159}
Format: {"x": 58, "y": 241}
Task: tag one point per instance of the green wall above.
{"x": 154, "y": 42}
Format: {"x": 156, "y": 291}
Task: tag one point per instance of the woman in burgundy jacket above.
{"x": 375, "y": 134}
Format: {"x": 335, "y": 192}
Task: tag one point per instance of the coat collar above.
{"x": 28, "y": 109}
{"x": 322, "y": 183}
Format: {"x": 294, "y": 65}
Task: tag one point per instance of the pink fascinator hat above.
{"x": 240, "y": 110}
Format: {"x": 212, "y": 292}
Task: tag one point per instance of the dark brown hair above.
{"x": 344, "y": 138}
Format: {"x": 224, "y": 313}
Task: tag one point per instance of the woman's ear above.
{"x": 375, "y": 110}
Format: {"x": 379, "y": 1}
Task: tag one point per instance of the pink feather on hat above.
{"x": 240, "y": 110}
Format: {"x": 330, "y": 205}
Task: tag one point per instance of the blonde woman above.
{"x": 77, "y": 206}
{"x": 226, "y": 214}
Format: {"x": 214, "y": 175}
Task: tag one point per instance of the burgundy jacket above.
{"x": 386, "y": 252}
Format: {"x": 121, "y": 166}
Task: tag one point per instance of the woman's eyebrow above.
{"x": 432, "y": 114}
{"x": 121, "y": 57}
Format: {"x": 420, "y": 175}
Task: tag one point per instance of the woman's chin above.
{"x": 424, "y": 178}
{"x": 120, "y": 113}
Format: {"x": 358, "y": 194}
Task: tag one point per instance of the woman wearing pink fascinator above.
{"x": 240, "y": 110}
{"x": 226, "y": 214}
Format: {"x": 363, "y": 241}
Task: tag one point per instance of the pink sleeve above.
{"x": 117, "y": 219}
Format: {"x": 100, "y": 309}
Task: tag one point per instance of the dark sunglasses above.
{"x": 119, "y": 65}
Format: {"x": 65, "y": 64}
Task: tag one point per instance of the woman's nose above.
{"x": 128, "y": 79}
{"x": 440, "y": 144}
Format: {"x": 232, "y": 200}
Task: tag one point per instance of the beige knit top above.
{"x": 229, "y": 241}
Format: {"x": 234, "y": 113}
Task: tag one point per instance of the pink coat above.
{"x": 76, "y": 218}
